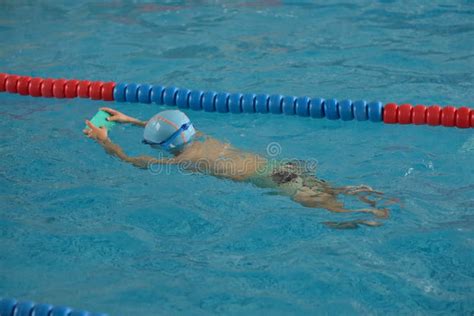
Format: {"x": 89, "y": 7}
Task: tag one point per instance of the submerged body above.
{"x": 210, "y": 156}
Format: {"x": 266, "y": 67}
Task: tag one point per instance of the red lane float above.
{"x": 419, "y": 114}
{"x": 3, "y": 78}
{"x": 390, "y": 113}
{"x": 108, "y": 91}
{"x": 462, "y": 117}
{"x": 23, "y": 85}
{"x": 11, "y": 83}
{"x": 47, "y": 88}
{"x": 70, "y": 89}
{"x": 404, "y": 114}
{"x": 83, "y": 89}
{"x": 448, "y": 115}
{"x": 433, "y": 115}
{"x": 96, "y": 90}
{"x": 34, "y": 88}
{"x": 58, "y": 88}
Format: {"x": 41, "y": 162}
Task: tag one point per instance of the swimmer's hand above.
{"x": 94, "y": 132}
{"x": 116, "y": 116}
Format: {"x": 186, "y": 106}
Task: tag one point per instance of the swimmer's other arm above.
{"x": 100, "y": 134}
{"x": 116, "y": 116}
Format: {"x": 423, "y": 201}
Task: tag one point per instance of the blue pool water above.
{"x": 78, "y": 227}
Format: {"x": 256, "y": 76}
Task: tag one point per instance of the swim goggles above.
{"x": 167, "y": 142}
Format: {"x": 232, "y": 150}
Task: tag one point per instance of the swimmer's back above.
{"x": 221, "y": 159}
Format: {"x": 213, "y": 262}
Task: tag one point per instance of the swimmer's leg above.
{"x": 363, "y": 192}
{"x": 377, "y": 212}
{"x": 310, "y": 198}
{"x": 355, "y": 189}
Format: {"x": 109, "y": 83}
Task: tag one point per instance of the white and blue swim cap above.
{"x": 169, "y": 129}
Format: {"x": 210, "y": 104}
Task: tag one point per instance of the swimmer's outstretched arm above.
{"x": 100, "y": 135}
{"x": 116, "y": 116}
{"x": 143, "y": 162}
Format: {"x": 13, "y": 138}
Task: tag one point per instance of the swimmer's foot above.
{"x": 351, "y": 224}
{"x": 379, "y": 213}
{"x": 370, "y": 223}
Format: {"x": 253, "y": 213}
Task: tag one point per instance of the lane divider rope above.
{"x": 223, "y": 102}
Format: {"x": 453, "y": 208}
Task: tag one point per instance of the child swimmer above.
{"x": 173, "y": 131}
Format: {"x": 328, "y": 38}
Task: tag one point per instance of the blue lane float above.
{"x": 12, "y": 307}
{"x": 248, "y": 103}
{"x": 223, "y": 102}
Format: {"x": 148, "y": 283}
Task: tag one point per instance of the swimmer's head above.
{"x": 168, "y": 129}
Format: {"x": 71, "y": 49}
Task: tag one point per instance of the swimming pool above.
{"x": 82, "y": 229}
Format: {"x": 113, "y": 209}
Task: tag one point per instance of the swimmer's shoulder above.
{"x": 190, "y": 152}
{"x": 206, "y": 140}
{"x": 201, "y": 146}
